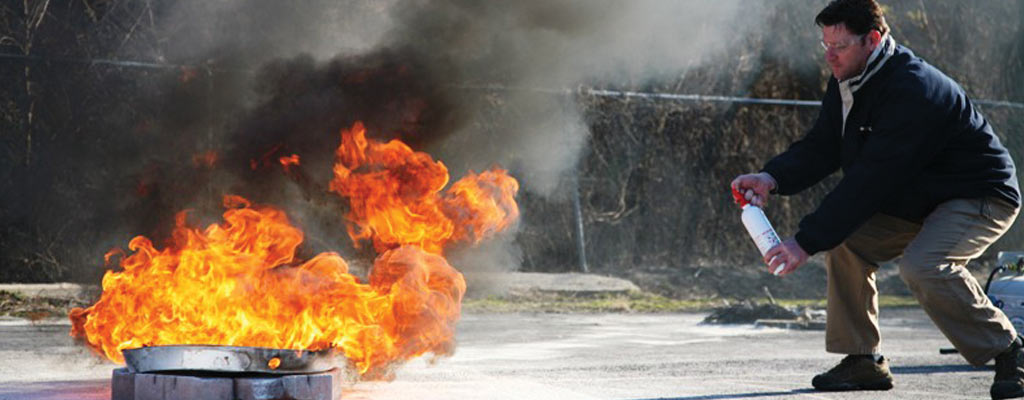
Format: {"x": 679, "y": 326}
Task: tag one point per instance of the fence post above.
{"x": 581, "y": 241}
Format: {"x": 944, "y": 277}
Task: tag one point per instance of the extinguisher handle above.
{"x": 739, "y": 198}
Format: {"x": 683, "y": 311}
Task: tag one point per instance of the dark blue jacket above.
{"x": 913, "y": 140}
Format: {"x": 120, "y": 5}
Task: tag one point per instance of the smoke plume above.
{"x": 476, "y": 84}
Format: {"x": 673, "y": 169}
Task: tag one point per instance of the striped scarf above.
{"x": 878, "y": 57}
{"x": 850, "y": 86}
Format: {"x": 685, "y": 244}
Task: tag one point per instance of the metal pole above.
{"x": 581, "y": 241}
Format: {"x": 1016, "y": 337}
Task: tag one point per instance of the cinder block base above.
{"x": 126, "y": 385}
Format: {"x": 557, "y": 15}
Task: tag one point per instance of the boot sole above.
{"x": 884, "y": 384}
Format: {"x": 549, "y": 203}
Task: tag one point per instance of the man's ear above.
{"x": 874, "y": 38}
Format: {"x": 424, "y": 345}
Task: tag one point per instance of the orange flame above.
{"x": 288, "y": 161}
{"x": 396, "y": 199}
{"x": 234, "y": 284}
{"x": 238, "y": 283}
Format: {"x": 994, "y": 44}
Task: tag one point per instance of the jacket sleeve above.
{"x": 816, "y": 155}
{"x": 905, "y": 136}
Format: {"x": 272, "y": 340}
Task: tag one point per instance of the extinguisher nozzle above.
{"x": 739, "y": 198}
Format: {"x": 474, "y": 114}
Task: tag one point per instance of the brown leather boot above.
{"x": 856, "y": 372}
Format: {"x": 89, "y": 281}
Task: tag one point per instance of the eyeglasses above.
{"x": 838, "y": 47}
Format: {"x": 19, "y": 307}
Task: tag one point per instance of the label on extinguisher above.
{"x": 766, "y": 240}
{"x": 759, "y": 228}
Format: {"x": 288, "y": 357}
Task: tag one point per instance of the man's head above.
{"x": 850, "y": 31}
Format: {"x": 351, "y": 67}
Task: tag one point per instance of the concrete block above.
{"x": 126, "y": 385}
{"x": 180, "y": 387}
{"x": 291, "y": 387}
{"x": 122, "y": 385}
{"x": 311, "y": 387}
{"x": 259, "y": 389}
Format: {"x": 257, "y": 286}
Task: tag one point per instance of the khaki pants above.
{"x": 935, "y": 254}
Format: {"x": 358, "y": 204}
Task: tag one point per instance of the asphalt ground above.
{"x": 569, "y": 356}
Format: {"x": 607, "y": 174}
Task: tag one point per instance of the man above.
{"x": 924, "y": 178}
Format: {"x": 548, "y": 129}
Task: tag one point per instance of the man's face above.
{"x": 847, "y": 54}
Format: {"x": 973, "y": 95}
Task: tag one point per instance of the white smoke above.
{"x": 533, "y": 48}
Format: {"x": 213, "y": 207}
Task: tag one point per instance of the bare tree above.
{"x": 33, "y": 13}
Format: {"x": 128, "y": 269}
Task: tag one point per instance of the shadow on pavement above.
{"x": 738, "y": 395}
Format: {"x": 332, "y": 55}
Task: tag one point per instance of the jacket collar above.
{"x": 878, "y": 57}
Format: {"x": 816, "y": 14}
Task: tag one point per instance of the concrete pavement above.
{"x": 570, "y": 356}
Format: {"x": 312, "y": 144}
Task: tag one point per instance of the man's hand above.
{"x": 755, "y": 187}
{"x": 788, "y": 252}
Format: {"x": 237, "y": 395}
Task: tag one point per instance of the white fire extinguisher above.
{"x": 758, "y": 227}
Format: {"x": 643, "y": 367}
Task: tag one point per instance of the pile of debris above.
{"x": 768, "y": 314}
{"x": 748, "y": 312}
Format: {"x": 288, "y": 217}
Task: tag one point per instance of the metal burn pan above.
{"x": 229, "y": 359}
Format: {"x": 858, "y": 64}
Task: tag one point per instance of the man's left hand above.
{"x": 788, "y": 252}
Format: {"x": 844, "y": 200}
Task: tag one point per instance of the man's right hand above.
{"x": 755, "y": 187}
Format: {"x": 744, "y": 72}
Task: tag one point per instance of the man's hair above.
{"x": 859, "y": 16}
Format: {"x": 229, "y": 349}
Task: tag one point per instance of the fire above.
{"x": 288, "y": 161}
{"x": 396, "y": 196}
{"x": 239, "y": 283}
